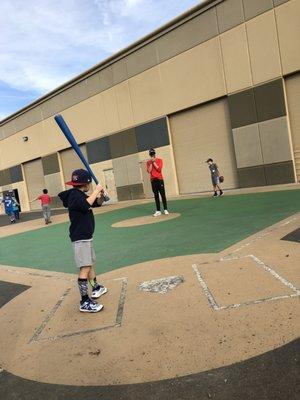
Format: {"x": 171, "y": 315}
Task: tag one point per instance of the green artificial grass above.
{"x": 206, "y": 225}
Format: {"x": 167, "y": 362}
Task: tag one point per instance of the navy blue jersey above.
{"x": 80, "y": 213}
{"x": 8, "y": 205}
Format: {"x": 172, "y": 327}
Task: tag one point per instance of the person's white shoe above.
{"x": 99, "y": 292}
{"x": 157, "y": 214}
{"x": 166, "y": 212}
{"x": 90, "y": 306}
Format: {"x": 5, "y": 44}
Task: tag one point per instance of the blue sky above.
{"x": 44, "y": 43}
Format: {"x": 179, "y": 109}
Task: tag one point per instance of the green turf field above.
{"x": 206, "y": 225}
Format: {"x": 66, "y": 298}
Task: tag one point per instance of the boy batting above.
{"x": 82, "y": 227}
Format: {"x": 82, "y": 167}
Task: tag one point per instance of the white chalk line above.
{"x": 266, "y": 268}
{"x": 213, "y": 303}
{"x": 232, "y": 256}
{"x": 275, "y": 274}
{"x": 205, "y": 288}
{"x": 118, "y": 320}
{"x": 259, "y": 301}
{"x": 48, "y": 317}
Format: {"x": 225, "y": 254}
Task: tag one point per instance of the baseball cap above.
{"x": 80, "y": 177}
{"x": 151, "y": 152}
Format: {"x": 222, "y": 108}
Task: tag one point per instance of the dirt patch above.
{"x": 145, "y": 220}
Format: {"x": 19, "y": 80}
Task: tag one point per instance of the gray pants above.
{"x": 46, "y": 212}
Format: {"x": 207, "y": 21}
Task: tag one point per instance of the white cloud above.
{"x": 43, "y": 43}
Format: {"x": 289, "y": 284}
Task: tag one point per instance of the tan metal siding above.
{"x": 196, "y": 135}
{"x": 288, "y": 25}
{"x": 192, "y": 77}
{"x": 70, "y": 161}
{"x": 236, "y": 59}
{"x": 263, "y": 47}
{"x": 35, "y": 182}
{"x": 292, "y": 85}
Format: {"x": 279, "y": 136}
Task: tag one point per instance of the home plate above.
{"x": 163, "y": 285}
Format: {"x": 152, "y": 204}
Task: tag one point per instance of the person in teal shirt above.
{"x": 15, "y": 205}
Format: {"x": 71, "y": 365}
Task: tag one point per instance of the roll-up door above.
{"x": 200, "y": 133}
{"x": 34, "y": 176}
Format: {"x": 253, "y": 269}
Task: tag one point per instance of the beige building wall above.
{"x": 86, "y": 119}
{"x": 263, "y": 47}
{"x": 35, "y": 181}
{"x": 193, "y": 77}
{"x": 247, "y": 146}
{"x": 2, "y": 212}
{"x": 99, "y": 168}
{"x": 44, "y": 138}
{"x": 236, "y": 59}
{"x": 146, "y": 95}
{"x": 70, "y": 162}
{"x": 1, "y": 205}
{"x": 198, "y": 134}
{"x": 111, "y": 110}
{"x": 124, "y": 105}
{"x": 288, "y": 17}
{"x": 274, "y": 144}
{"x": 22, "y": 191}
{"x": 292, "y": 85}
{"x": 53, "y": 184}
{"x": 146, "y": 180}
{"x": 127, "y": 171}
{"x": 14, "y": 149}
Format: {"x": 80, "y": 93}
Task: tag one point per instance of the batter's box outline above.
{"x": 118, "y": 319}
{"x": 215, "y": 306}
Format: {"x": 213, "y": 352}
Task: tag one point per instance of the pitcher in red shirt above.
{"x": 154, "y": 168}
{"x": 45, "y": 200}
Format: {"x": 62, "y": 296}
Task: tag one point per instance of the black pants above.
{"x": 158, "y": 186}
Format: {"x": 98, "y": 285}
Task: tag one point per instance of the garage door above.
{"x": 200, "y": 133}
{"x": 292, "y": 85}
{"x": 70, "y": 161}
{"x": 34, "y": 176}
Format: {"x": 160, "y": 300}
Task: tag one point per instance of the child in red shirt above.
{"x": 154, "y": 168}
{"x": 45, "y": 200}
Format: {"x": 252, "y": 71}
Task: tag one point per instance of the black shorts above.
{"x": 215, "y": 180}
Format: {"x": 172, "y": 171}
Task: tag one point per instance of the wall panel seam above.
{"x": 248, "y": 49}
{"x": 278, "y": 42}
{"x": 223, "y": 64}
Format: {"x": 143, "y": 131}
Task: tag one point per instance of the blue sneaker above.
{"x": 99, "y": 291}
{"x": 90, "y": 306}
